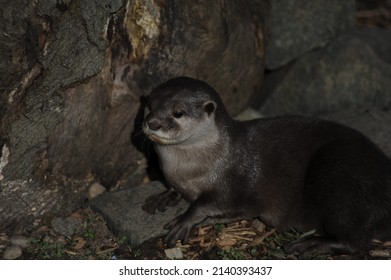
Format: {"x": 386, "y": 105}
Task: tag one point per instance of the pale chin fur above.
{"x": 160, "y": 140}
{"x": 154, "y": 137}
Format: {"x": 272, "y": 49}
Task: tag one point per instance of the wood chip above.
{"x": 258, "y": 226}
{"x": 204, "y": 230}
{"x": 261, "y": 238}
{"x": 380, "y": 253}
{"x": 3, "y": 237}
{"x": 80, "y": 243}
{"x": 109, "y": 250}
{"x": 70, "y": 252}
{"x": 43, "y": 229}
{"x": 378, "y": 242}
{"x": 306, "y": 234}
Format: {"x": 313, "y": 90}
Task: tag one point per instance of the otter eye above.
{"x": 178, "y": 114}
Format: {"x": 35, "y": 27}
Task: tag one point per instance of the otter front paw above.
{"x": 161, "y": 201}
{"x": 179, "y": 229}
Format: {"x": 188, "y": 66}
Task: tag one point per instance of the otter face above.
{"x": 176, "y": 118}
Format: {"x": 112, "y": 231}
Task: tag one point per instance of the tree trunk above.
{"x": 73, "y": 72}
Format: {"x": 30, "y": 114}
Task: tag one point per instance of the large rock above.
{"x": 123, "y": 212}
{"x": 125, "y": 217}
{"x": 299, "y": 26}
{"x": 345, "y": 76}
{"x": 378, "y": 38}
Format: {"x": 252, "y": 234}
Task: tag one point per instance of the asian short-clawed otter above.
{"x": 291, "y": 172}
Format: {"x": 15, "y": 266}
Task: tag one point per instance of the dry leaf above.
{"x": 76, "y": 215}
{"x": 80, "y": 243}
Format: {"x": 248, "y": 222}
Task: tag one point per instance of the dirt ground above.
{"x": 240, "y": 240}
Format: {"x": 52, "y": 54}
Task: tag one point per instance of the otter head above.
{"x": 181, "y": 111}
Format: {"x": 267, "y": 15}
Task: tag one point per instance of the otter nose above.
{"x": 154, "y": 125}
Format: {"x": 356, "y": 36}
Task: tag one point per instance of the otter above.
{"x": 289, "y": 171}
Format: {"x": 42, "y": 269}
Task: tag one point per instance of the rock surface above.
{"x": 248, "y": 114}
{"x": 20, "y": 241}
{"x": 298, "y": 26}
{"x": 174, "y": 253}
{"x": 347, "y": 81}
{"x": 122, "y": 211}
{"x": 378, "y": 38}
{"x": 12, "y": 253}
{"x": 345, "y": 76}
{"x": 65, "y": 226}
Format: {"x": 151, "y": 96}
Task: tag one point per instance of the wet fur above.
{"x": 291, "y": 172}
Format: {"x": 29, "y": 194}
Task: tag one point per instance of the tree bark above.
{"x": 73, "y": 72}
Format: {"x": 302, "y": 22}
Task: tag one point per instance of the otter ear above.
{"x": 209, "y": 107}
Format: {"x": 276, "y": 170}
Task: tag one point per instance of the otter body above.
{"x": 291, "y": 172}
